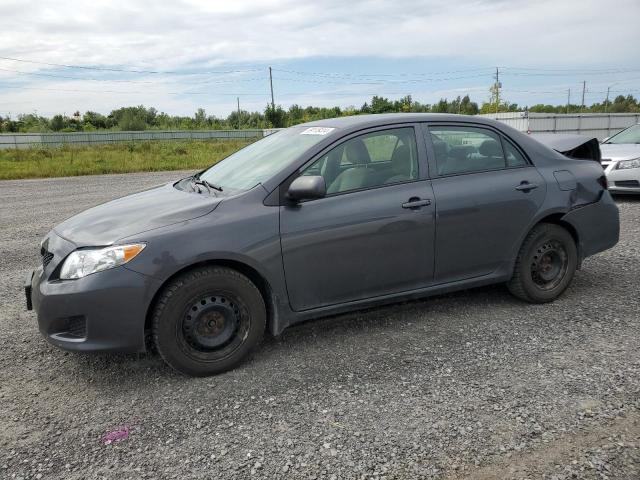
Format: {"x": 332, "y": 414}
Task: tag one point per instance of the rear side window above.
{"x": 466, "y": 150}
{"x": 514, "y": 157}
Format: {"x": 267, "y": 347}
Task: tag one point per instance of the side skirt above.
{"x": 282, "y": 320}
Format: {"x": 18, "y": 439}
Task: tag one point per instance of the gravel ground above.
{"x": 469, "y": 385}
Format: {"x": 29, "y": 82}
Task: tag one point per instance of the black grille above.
{"x": 76, "y": 327}
{"x": 46, "y": 258}
{"x": 628, "y": 183}
{"x": 46, "y": 255}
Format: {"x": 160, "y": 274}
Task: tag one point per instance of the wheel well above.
{"x": 556, "y": 219}
{"x": 252, "y": 274}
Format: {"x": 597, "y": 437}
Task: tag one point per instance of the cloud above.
{"x": 189, "y": 34}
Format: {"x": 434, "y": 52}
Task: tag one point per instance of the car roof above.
{"x": 372, "y": 120}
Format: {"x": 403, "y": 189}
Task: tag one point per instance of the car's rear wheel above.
{"x": 207, "y": 320}
{"x": 545, "y": 264}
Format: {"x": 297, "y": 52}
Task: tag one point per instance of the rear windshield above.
{"x": 261, "y": 160}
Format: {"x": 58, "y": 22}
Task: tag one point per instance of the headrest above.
{"x": 490, "y": 148}
{"x": 441, "y": 148}
{"x": 401, "y": 161}
{"x": 356, "y": 152}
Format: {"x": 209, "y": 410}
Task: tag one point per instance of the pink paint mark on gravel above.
{"x": 118, "y": 435}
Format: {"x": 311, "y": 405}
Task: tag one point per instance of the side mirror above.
{"x": 307, "y": 188}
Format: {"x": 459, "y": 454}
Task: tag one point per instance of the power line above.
{"x": 575, "y": 70}
{"x": 330, "y": 80}
{"x": 124, "y": 92}
{"x": 566, "y": 74}
{"x": 70, "y": 78}
{"x": 93, "y": 79}
{"x": 401, "y": 74}
{"x": 121, "y": 70}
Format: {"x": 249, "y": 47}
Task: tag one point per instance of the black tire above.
{"x": 545, "y": 264}
{"x": 207, "y": 320}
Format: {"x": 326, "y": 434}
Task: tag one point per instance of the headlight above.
{"x": 91, "y": 260}
{"x": 635, "y": 163}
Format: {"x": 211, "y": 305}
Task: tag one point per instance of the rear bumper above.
{"x": 597, "y": 225}
{"x": 105, "y": 311}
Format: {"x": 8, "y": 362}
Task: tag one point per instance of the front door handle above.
{"x": 415, "y": 203}
{"x": 526, "y": 186}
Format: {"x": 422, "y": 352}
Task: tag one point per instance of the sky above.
{"x": 177, "y": 56}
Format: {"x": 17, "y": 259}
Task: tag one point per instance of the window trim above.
{"x": 421, "y": 153}
{"x": 527, "y": 161}
{"x": 433, "y": 165}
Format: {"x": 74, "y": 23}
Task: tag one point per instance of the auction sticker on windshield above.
{"x": 317, "y": 131}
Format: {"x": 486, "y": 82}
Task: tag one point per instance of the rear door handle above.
{"x": 526, "y": 186}
{"x": 415, "y": 203}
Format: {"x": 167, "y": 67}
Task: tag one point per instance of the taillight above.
{"x": 603, "y": 182}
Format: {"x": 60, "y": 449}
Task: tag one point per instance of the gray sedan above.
{"x": 314, "y": 220}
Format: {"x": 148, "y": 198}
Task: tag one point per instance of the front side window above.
{"x": 261, "y": 160}
{"x": 369, "y": 160}
{"x": 466, "y": 150}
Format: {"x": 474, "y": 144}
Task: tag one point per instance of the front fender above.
{"x": 240, "y": 230}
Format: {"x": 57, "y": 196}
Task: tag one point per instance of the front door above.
{"x": 373, "y": 234}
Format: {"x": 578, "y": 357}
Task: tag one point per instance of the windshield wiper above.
{"x": 196, "y": 180}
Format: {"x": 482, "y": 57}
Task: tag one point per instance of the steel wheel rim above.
{"x": 213, "y": 326}
{"x": 549, "y": 265}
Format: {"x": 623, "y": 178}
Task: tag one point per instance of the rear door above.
{"x": 487, "y": 193}
{"x": 373, "y": 233}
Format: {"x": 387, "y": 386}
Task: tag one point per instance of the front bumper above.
{"x": 104, "y": 311}
{"x": 626, "y": 180}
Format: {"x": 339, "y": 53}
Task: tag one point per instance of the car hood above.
{"x": 134, "y": 214}
{"x": 619, "y": 151}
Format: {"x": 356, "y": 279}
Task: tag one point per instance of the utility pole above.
{"x": 273, "y": 104}
{"x": 238, "y": 98}
{"x": 584, "y": 87}
{"x": 606, "y": 102}
{"x": 497, "y": 87}
{"x": 568, "y": 99}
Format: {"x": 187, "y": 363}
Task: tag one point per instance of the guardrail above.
{"x": 27, "y": 140}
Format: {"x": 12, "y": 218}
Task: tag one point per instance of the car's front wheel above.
{"x": 207, "y": 320}
{"x": 545, "y": 264}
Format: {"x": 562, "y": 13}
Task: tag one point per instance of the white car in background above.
{"x": 621, "y": 160}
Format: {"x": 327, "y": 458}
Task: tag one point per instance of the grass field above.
{"x": 71, "y": 160}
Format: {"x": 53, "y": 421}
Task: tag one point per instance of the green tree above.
{"x": 275, "y": 117}
{"x": 381, "y": 105}
{"x": 200, "y": 118}
{"x": 95, "y": 120}
{"x": 131, "y": 121}
{"x": 57, "y": 123}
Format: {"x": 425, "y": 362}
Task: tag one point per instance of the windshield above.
{"x": 629, "y": 135}
{"x": 261, "y": 160}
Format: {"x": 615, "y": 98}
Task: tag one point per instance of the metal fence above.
{"x": 598, "y": 125}
{"x": 26, "y": 140}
